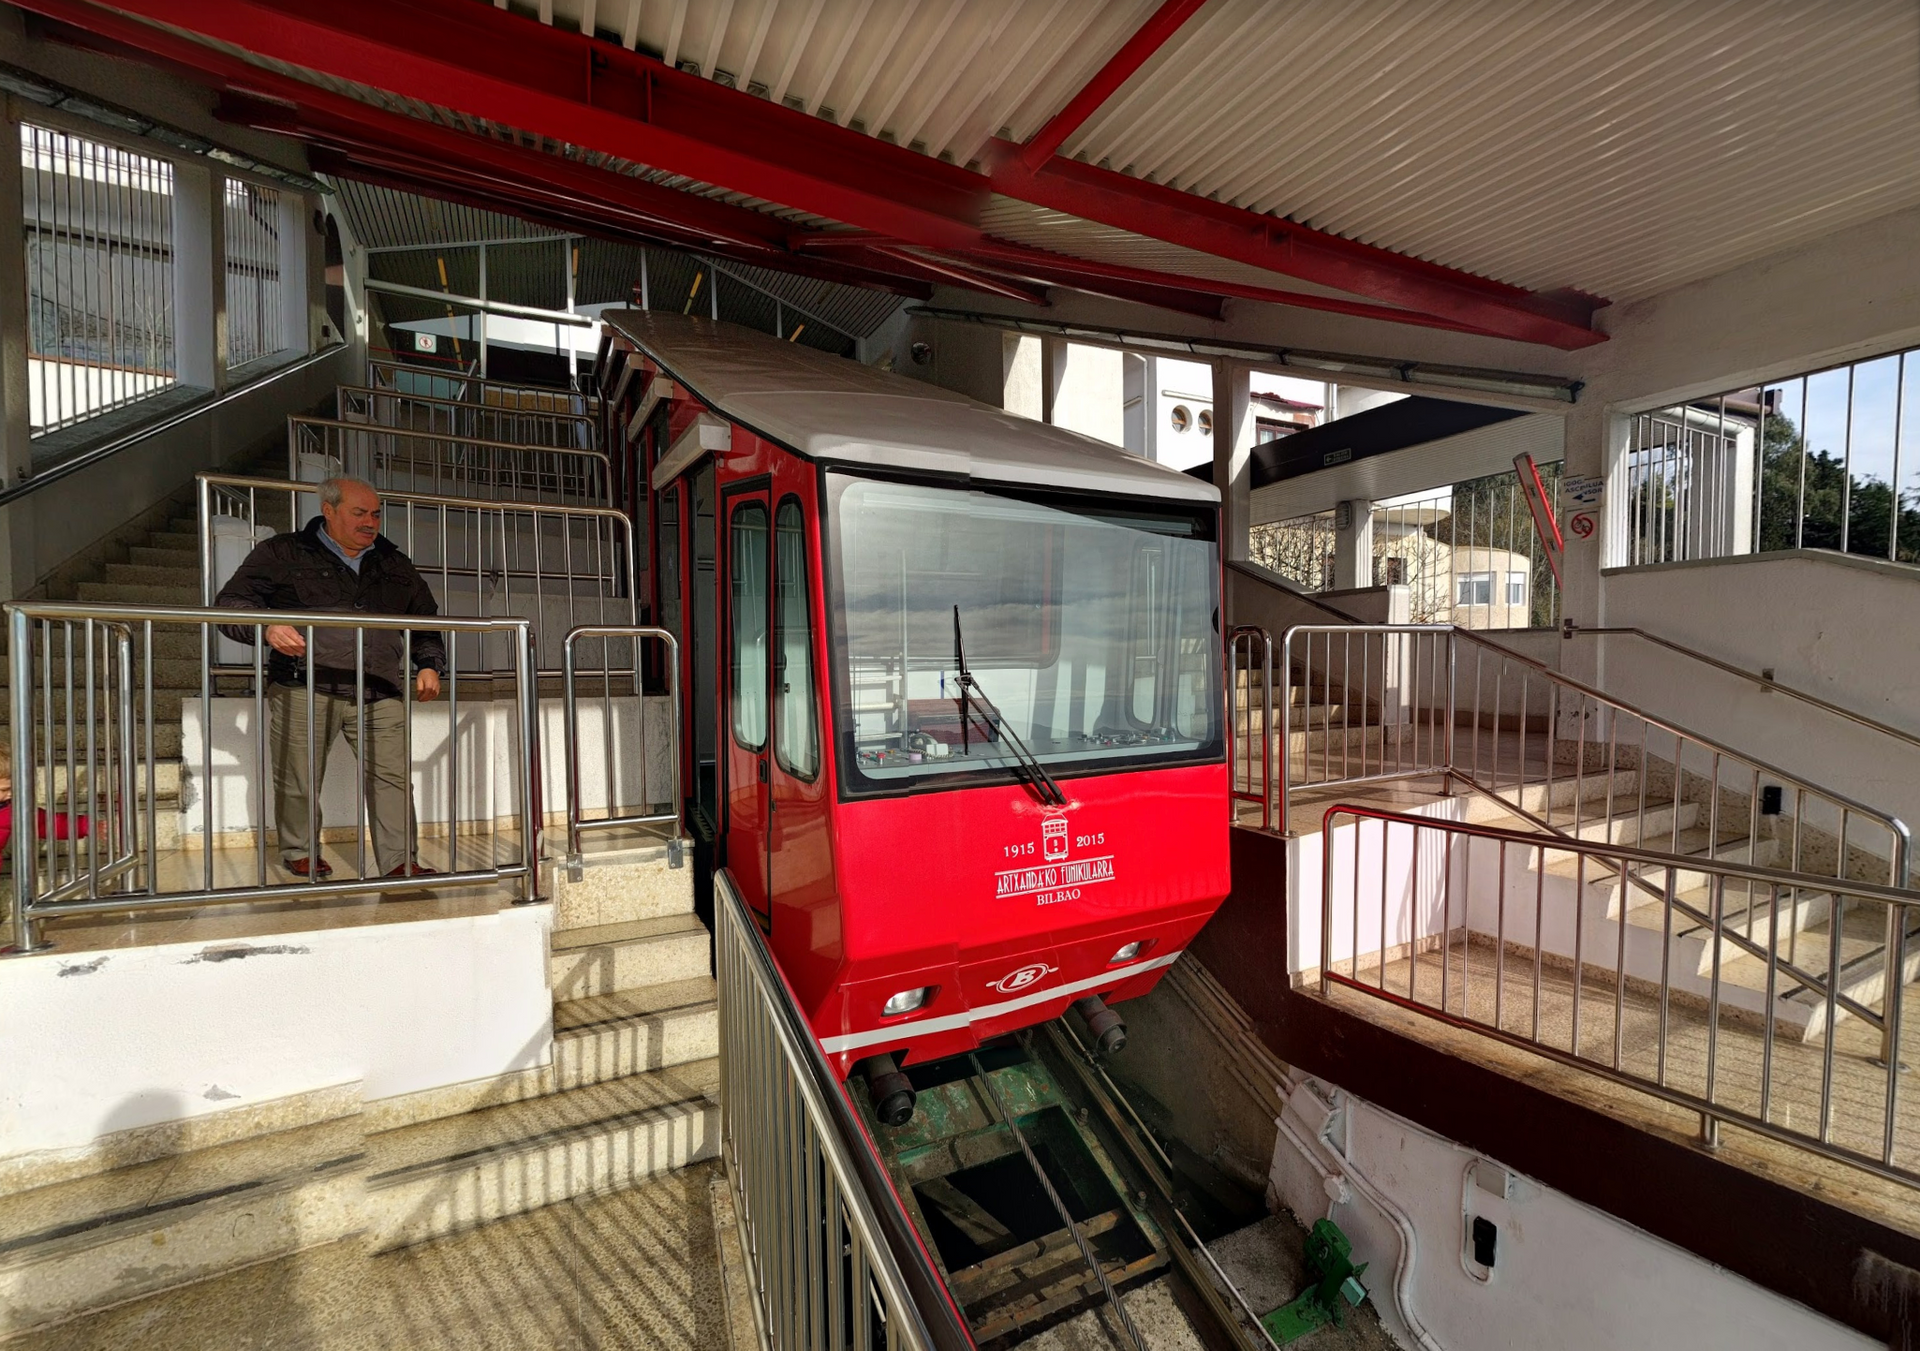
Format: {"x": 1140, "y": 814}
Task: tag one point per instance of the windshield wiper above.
{"x": 971, "y": 695}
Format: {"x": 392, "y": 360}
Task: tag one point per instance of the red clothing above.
{"x": 65, "y": 826}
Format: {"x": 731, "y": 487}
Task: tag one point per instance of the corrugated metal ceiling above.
{"x": 1620, "y": 147}
{"x": 530, "y": 269}
{"x": 382, "y": 218}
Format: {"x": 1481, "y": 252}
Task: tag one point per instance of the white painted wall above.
{"x": 1843, "y": 629}
{"x": 1088, "y": 394}
{"x": 102, "y": 1042}
{"x": 1566, "y": 1276}
{"x": 639, "y": 767}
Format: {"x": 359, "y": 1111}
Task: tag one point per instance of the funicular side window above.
{"x": 749, "y": 609}
{"x": 796, "y": 723}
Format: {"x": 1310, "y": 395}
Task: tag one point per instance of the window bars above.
{"x": 255, "y": 327}
{"x": 1814, "y": 461}
{"x": 1468, "y": 554}
{"x": 99, "y": 267}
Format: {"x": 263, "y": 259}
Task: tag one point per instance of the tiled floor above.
{"x": 185, "y": 869}
{"x": 1857, "y": 1103}
{"x": 637, "y": 1268}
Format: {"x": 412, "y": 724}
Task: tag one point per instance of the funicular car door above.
{"x": 746, "y": 768}
{"x": 800, "y": 858}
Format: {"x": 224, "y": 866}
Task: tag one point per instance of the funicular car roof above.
{"x": 832, "y": 409}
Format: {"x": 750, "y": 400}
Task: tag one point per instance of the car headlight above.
{"x": 1128, "y": 953}
{"x": 906, "y": 1001}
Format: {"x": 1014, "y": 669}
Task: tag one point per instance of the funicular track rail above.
{"x": 1038, "y": 1107}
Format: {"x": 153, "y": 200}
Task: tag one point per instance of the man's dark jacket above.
{"x": 297, "y": 571}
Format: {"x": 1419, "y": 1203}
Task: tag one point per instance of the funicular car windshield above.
{"x": 1089, "y": 625}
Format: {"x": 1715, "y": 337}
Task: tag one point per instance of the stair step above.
{"x": 121, "y": 593}
{"x": 1866, "y": 984}
{"x": 147, "y": 574}
{"x": 457, "y": 1172}
{"x": 148, "y": 555}
{"x": 611, "y": 958}
{"x": 166, "y": 705}
{"x": 108, "y": 1237}
{"x": 175, "y": 541}
{"x": 609, "y": 1036}
{"x": 1630, "y": 824}
{"x": 619, "y": 887}
{"x": 166, "y": 739}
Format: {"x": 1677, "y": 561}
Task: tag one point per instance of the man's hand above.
{"x": 426, "y": 685}
{"x": 284, "y": 638}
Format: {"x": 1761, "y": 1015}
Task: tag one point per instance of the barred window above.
{"x": 99, "y": 244}
{"x": 254, "y": 288}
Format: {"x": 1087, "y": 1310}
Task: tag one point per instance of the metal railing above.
{"x": 255, "y": 291}
{"x": 835, "y": 1260}
{"x": 468, "y": 421}
{"x": 1468, "y": 554}
{"x": 99, "y": 276}
{"x": 624, "y": 758}
{"x": 1458, "y": 923}
{"x": 1500, "y": 726}
{"x": 1811, "y": 461}
{"x": 558, "y": 567}
{"x": 402, "y": 460}
{"x": 1246, "y": 680}
{"x": 462, "y": 386}
{"x": 1553, "y": 751}
{"x": 84, "y": 703}
{"x": 1569, "y": 629}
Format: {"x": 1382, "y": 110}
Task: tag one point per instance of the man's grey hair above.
{"x": 334, "y": 490}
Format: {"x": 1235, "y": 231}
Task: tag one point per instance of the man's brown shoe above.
{"x": 414, "y": 870}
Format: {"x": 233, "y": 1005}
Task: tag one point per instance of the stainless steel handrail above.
{"x": 1446, "y": 714}
{"x": 116, "y": 887}
{"x": 505, "y": 468}
{"x": 85, "y": 459}
{"x": 1902, "y": 837}
{"x": 581, "y": 429}
{"x": 576, "y": 823}
{"x": 612, "y": 568}
{"x": 586, "y": 404}
{"x": 1452, "y": 917}
{"x": 1569, "y": 629}
{"x": 836, "y": 1262}
{"x": 1238, "y": 743}
{"x": 1438, "y": 680}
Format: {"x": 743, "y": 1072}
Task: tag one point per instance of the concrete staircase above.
{"x": 629, "y": 1093}
{"x": 1798, "y": 927}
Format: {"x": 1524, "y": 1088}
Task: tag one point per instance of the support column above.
{"x": 1021, "y": 374}
{"x": 199, "y": 277}
{"x": 1233, "y": 455}
{"x": 16, "y": 450}
{"x": 1353, "y": 545}
{"x": 1053, "y": 369}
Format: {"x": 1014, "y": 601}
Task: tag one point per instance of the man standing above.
{"x": 341, "y": 562}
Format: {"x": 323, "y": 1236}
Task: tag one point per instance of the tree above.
{"x": 1789, "y": 521}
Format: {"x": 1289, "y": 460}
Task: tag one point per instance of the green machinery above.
{"x": 1333, "y": 1282}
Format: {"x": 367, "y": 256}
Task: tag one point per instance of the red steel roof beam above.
{"x": 493, "y": 64}
{"x": 1276, "y": 245}
{"x": 1152, "y": 36}
{"x": 956, "y": 275}
{"x": 1024, "y": 260}
{"x": 570, "y": 88}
